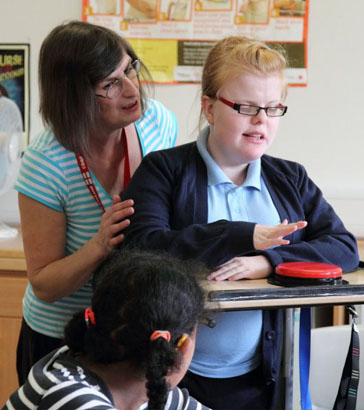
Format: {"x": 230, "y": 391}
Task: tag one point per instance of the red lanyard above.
{"x": 82, "y": 164}
{"x": 127, "y": 175}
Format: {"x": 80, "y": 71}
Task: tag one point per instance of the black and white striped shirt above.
{"x": 59, "y": 382}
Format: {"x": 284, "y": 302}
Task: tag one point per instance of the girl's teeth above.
{"x": 255, "y": 136}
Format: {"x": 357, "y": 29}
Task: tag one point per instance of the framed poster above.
{"x": 173, "y": 37}
{"x": 14, "y": 85}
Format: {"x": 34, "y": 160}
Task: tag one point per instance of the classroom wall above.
{"x": 323, "y": 128}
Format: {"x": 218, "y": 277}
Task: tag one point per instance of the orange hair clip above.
{"x": 160, "y": 333}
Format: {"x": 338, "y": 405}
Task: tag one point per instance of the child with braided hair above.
{"x": 131, "y": 348}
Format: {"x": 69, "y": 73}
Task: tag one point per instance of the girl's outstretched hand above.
{"x": 267, "y": 236}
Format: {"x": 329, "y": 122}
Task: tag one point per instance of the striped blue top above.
{"x": 50, "y": 174}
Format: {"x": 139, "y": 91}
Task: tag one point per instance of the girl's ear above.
{"x": 208, "y": 105}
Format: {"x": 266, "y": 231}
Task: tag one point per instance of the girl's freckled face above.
{"x": 234, "y": 138}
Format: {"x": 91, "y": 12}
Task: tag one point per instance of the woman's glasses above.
{"x": 253, "y": 110}
{"x": 114, "y": 88}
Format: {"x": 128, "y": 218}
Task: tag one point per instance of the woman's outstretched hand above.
{"x": 267, "y": 236}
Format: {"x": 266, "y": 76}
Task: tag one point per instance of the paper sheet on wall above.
{"x": 14, "y": 81}
{"x": 172, "y": 37}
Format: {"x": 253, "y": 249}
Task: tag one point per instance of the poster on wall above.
{"x": 172, "y": 37}
{"x": 14, "y": 86}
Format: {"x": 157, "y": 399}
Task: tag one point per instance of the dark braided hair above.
{"x": 136, "y": 293}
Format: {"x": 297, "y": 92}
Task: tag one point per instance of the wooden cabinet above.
{"x": 12, "y": 285}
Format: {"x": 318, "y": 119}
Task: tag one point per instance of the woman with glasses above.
{"x": 99, "y": 125}
{"x": 225, "y": 202}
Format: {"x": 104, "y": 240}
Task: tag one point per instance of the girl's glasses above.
{"x": 253, "y": 110}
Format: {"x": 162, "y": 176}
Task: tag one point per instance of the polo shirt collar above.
{"x": 215, "y": 175}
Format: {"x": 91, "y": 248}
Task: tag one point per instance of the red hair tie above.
{"x": 160, "y": 333}
{"x": 90, "y": 317}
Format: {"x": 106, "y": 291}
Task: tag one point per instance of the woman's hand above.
{"x": 52, "y": 274}
{"x": 267, "y": 236}
{"x": 112, "y": 223}
{"x": 243, "y": 267}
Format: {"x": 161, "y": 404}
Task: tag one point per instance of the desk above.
{"x": 259, "y": 294}
{"x": 276, "y": 300}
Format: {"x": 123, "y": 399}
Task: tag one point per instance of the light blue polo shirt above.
{"x": 233, "y": 346}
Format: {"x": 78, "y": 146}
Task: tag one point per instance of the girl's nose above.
{"x": 260, "y": 117}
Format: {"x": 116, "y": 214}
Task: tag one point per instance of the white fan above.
{"x": 10, "y": 157}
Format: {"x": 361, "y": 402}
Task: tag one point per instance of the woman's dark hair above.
{"x": 74, "y": 57}
{"x": 136, "y": 293}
